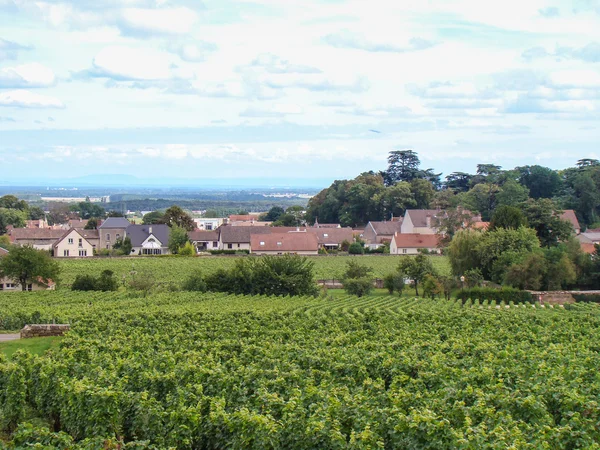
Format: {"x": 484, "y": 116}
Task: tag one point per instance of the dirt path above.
{"x": 9, "y": 337}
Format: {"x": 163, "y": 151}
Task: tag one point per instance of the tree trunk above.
{"x": 23, "y": 282}
{"x": 416, "y": 288}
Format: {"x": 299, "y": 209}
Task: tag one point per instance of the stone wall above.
{"x": 44, "y": 330}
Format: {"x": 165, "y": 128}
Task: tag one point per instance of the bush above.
{"x": 195, "y": 283}
{"x": 229, "y": 252}
{"x": 84, "y": 283}
{"x": 142, "y": 282}
{"x": 187, "y": 250}
{"x": 267, "y": 275}
{"x": 358, "y": 286}
{"x": 107, "y": 282}
{"x": 394, "y": 282}
{"x": 345, "y": 245}
{"x": 356, "y": 249}
{"x": 587, "y": 298}
{"x": 505, "y": 294}
{"x": 431, "y": 286}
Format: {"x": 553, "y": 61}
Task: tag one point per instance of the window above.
{"x": 70, "y": 240}
{"x": 107, "y": 237}
{"x": 30, "y": 287}
{"x": 80, "y": 242}
{"x": 262, "y": 242}
{"x": 65, "y": 252}
{"x": 1, "y": 287}
{"x": 118, "y": 235}
{"x": 215, "y": 244}
{"x": 152, "y": 251}
{"x": 325, "y": 235}
{"x": 229, "y": 245}
{"x": 107, "y": 246}
{"x": 404, "y": 250}
{"x": 82, "y": 252}
{"x": 238, "y": 245}
{"x": 10, "y": 286}
{"x": 208, "y": 226}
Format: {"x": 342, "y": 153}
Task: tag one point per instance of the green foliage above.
{"x": 528, "y": 274}
{"x": 152, "y": 218}
{"x": 92, "y": 224}
{"x": 105, "y": 282}
{"x": 177, "y": 217}
{"x": 187, "y": 250}
{"x": 544, "y": 217}
{"x": 508, "y": 217}
{"x": 218, "y": 371}
{"x": 416, "y": 269}
{"x": 357, "y": 279}
{"x": 26, "y": 265}
{"x": 542, "y": 182}
{"x": 177, "y": 239}
{"x": 87, "y": 210}
{"x": 473, "y": 278}
{"x": 5, "y": 242}
{"x": 394, "y": 282}
{"x": 195, "y": 283}
{"x": 511, "y": 194}
{"x": 266, "y": 275}
{"x": 274, "y": 213}
{"x": 431, "y": 286}
{"x": 356, "y": 248}
{"x": 123, "y": 245}
{"x": 12, "y": 202}
{"x": 505, "y": 295}
{"x": 14, "y": 217}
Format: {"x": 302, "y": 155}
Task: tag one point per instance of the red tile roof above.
{"x": 415, "y": 240}
{"x": 569, "y": 216}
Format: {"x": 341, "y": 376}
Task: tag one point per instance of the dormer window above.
{"x": 262, "y": 242}
{"x": 279, "y": 243}
{"x": 326, "y": 235}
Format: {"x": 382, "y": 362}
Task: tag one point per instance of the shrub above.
{"x": 431, "y": 286}
{"x": 505, "y": 294}
{"x": 187, "y": 250}
{"x": 143, "y": 282}
{"x": 84, "y": 283}
{"x": 356, "y": 249}
{"x": 394, "y": 282}
{"x": 107, "y": 281}
{"x": 358, "y": 286}
{"x": 345, "y": 245}
{"x": 195, "y": 282}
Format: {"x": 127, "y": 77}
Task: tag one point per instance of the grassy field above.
{"x": 175, "y": 269}
{"x": 35, "y": 346}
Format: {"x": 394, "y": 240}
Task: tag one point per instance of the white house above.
{"x": 411, "y": 243}
{"x": 421, "y": 221}
{"x": 76, "y": 243}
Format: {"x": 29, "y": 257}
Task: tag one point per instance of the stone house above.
{"x": 112, "y": 229}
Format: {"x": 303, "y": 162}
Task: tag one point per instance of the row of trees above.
{"x": 404, "y": 184}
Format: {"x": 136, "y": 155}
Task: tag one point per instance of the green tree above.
{"x": 84, "y": 283}
{"x": 274, "y": 213}
{"x": 152, "y": 218}
{"x": 463, "y": 251}
{"x": 5, "y": 242}
{"x": 527, "y": 274}
{"x": 481, "y": 199}
{"x": 92, "y": 224}
{"x": 175, "y": 216}
{"x": 12, "y": 202}
{"x": 544, "y": 217}
{"x": 36, "y": 213}
{"x": 431, "y": 286}
{"x": 542, "y": 182}
{"x": 356, "y": 248}
{"x": 508, "y": 217}
{"x": 26, "y": 265}
{"x": 511, "y": 194}
{"x": 395, "y": 200}
{"x": 416, "y": 269}
{"x": 286, "y": 220}
{"x": 501, "y": 248}
{"x": 459, "y": 181}
{"x": 394, "y": 282}
{"x": 423, "y": 192}
{"x": 403, "y": 165}
{"x": 357, "y": 279}
{"x": 87, "y": 210}
{"x": 15, "y": 217}
{"x": 177, "y": 239}
{"x": 561, "y": 271}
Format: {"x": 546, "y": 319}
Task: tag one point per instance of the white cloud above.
{"x": 159, "y": 20}
{"x": 129, "y": 63}
{"x": 26, "y": 99}
{"x": 32, "y": 75}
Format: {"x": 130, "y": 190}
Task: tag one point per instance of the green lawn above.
{"x": 35, "y": 346}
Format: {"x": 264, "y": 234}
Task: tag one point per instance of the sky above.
{"x": 293, "y": 90}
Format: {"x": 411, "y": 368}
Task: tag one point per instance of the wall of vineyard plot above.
{"x": 219, "y": 371}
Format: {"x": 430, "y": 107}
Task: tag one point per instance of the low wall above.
{"x": 44, "y": 330}
{"x": 559, "y": 297}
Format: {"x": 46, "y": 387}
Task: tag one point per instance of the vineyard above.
{"x": 175, "y": 270}
{"x": 219, "y": 371}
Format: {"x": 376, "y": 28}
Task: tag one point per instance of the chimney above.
{"x": 428, "y": 221}
{"x": 150, "y": 230}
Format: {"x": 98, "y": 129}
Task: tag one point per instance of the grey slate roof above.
{"x": 139, "y": 233}
{"x": 235, "y": 235}
{"x": 386, "y": 228}
{"x": 115, "y": 222}
{"x": 418, "y": 217}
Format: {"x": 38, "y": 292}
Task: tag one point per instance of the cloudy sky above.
{"x": 293, "y": 89}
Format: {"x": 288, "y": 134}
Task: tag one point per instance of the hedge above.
{"x": 489, "y": 294}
